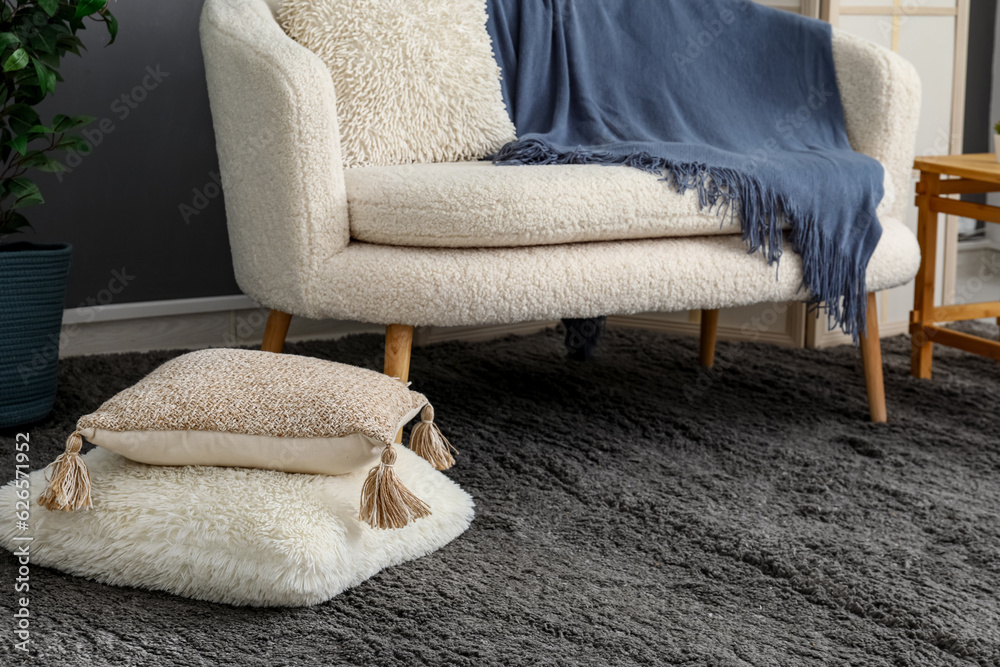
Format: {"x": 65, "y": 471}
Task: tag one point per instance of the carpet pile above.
{"x": 632, "y": 509}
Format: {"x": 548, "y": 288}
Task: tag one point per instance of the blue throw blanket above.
{"x": 727, "y": 97}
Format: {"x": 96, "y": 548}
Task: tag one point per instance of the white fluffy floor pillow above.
{"x": 233, "y": 535}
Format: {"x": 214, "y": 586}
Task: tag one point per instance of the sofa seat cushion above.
{"x": 479, "y": 205}
{"x": 450, "y": 287}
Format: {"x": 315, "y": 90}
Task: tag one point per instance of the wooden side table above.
{"x": 940, "y": 176}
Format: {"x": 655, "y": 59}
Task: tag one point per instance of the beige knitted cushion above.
{"x": 255, "y": 410}
{"x": 414, "y": 81}
{"x": 243, "y": 408}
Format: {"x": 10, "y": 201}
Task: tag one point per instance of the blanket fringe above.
{"x": 68, "y": 479}
{"x": 837, "y": 282}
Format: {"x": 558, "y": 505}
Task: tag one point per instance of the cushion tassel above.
{"x": 68, "y": 479}
{"x": 385, "y": 502}
{"x": 427, "y": 441}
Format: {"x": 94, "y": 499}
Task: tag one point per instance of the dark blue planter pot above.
{"x": 32, "y": 292}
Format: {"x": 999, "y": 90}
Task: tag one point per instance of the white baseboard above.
{"x": 231, "y": 321}
{"x": 135, "y": 311}
{"x": 473, "y": 334}
{"x": 228, "y": 321}
{"x": 979, "y": 245}
{"x": 820, "y": 337}
{"x": 790, "y": 334}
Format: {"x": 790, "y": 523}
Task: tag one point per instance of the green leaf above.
{"x": 26, "y": 76}
{"x": 22, "y": 118}
{"x": 50, "y": 6}
{"x": 30, "y": 200}
{"x": 19, "y": 143}
{"x": 61, "y": 123}
{"x": 71, "y": 44}
{"x": 88, "y": 7}
{"x": 50, "y": 59}
{"x": 73, "y": 142}
{"x": 112, "y": 26}
{"x": 26, "y": 191}
{"x": 46, "y": 78}
{"x": 22, "y": 186}
{"x": 39, "y": 130}
{"x": 12, "y": 222}
{"x": 44, "y": 41}
{"x": 19, "y": 221}
{"x": 17, "y": 60}
{"x": 43, "y": 162}
{"x": 8, "y": 39}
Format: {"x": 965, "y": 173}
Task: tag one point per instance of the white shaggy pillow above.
{"x": 232, "y": 535}
{"x": 415, "y": 80}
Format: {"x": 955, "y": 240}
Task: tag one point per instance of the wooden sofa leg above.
{"x": 398, "y": 343}
{"x": 275, "y": 331}
{"x": 709, "y": 331}
{"x": 871, "y": 357}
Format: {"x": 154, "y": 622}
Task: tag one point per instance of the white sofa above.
{"x": 470, "y": 243}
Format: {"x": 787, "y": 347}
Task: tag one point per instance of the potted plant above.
{"x": 34, "y": 37}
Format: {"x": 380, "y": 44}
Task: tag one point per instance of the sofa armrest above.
{"x": 274, "y": 111}
{"x": 881, "y": 96}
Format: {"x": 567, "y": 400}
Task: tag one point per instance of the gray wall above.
{"x": 979, "y": 82}
{"x": 120, "y": 206}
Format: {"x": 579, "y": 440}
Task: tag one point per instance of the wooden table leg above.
{"x": 921, "y": 355}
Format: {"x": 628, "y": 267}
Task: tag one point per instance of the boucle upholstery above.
{"x": 478, "y": 205}
{"x": 287, "y": 207}
{"x": 880, "y": 91}
{"x": 466, "y": 286}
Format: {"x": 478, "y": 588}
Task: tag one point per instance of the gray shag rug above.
{"x": 632, "y": 509}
